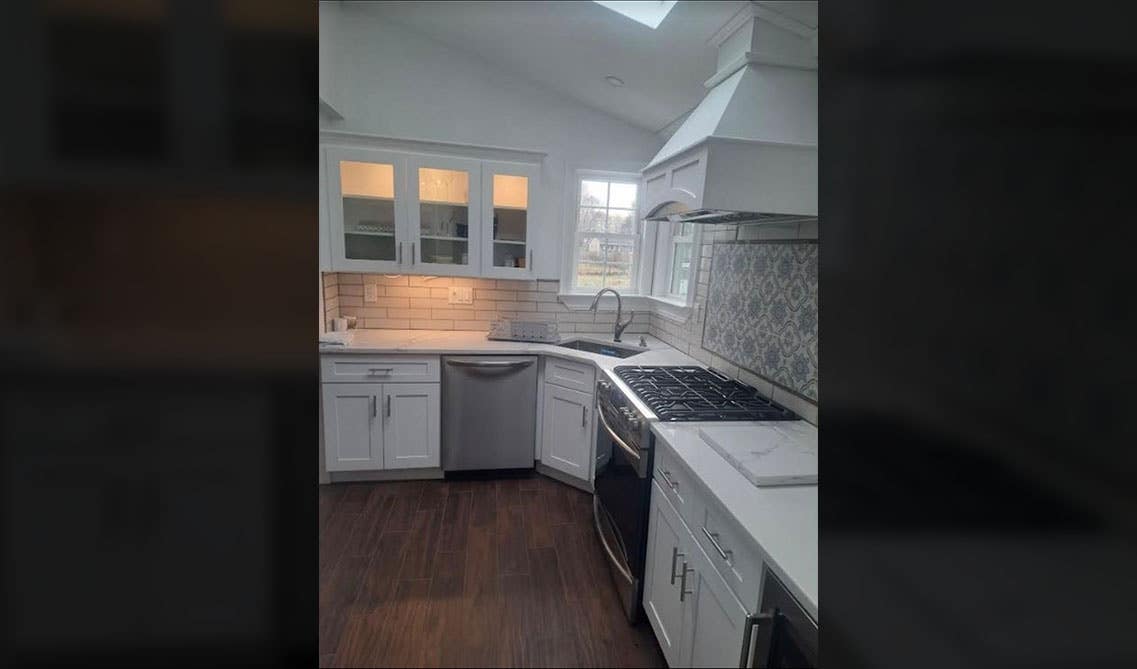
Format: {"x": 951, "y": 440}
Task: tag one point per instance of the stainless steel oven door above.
{"x": 620, "y": 509}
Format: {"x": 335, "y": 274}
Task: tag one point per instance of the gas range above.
{"x": 625, "y": 452}
{"x": 682, "y": 393}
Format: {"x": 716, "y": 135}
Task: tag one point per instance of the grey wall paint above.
{"x": 762, "y": 310}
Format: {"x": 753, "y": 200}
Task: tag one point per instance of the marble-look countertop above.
{"x": 770, "y": 453}
{"x": 781, "y": 520}
{"x": 464, "y": 342}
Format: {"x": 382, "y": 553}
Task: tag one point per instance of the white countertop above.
{"x": 781, "y": 520}
{"x": 466, "y": 342}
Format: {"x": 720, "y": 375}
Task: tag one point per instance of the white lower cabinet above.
{"x": 411, "y": 425}
{"x": 376, "y": 426}
{"x": 567, "y": 432}
{"x": 665, "y": 555}
{"x": 353, "y": 437}
{"x": 698, "y": 620}
{"x": 713, "y": 618}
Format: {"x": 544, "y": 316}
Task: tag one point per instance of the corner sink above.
{"x": 603, "y": 348}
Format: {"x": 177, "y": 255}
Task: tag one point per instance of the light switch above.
{"x": 461, "y": 295}
{"x": 370, "y": 292}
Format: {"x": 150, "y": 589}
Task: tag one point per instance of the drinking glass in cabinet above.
{"x": 444, "y": 207}
{"x": 368, "y": 192}
{"x": 510, "y": 219}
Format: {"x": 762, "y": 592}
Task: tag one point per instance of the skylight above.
{"x": 648, "y": 12}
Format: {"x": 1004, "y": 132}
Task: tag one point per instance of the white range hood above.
{"x": 748, "y": 151}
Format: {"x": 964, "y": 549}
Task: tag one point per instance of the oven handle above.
{"x": 750, "y": 625}
{"x": 622, "y": 444}
{"x": 604, "y": 542}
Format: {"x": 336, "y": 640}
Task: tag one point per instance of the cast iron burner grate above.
{"x": 677, "y": 393}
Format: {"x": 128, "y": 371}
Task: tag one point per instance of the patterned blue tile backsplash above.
{"x": 762, "y": 311}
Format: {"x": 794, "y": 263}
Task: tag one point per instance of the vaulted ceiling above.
{"x": 571, "y": 47}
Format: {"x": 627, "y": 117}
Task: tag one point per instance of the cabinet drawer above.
{"x": 568, "y": 374}
{"x": 675, "y": 481}
{"x": 379, "y": 368}
{"x": 742, "y": 565}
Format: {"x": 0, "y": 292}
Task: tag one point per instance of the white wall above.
{"x": 388, "y": 80}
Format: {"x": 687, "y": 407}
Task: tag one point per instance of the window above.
{"x": 607, "y": 242}
{"x": 682, "y": 246}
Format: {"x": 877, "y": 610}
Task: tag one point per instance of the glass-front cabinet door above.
{"x": 508, "y": 196}
{"x": 366, "y": 208}
{"x": 445, "y": 206}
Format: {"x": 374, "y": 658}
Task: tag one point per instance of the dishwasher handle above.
{"x": 488, "y": 364}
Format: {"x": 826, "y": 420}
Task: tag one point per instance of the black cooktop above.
{"x": 695, "y": 393}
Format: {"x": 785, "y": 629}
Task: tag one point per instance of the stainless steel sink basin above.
{"x": 614, "y": 350}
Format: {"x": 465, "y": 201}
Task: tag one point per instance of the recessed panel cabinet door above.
{"x": 566, "y": 431}
{"x": 353, "y": 435}
{"x": 713, "y": 619}
{"x": 666, "y": 555}
{"x": 411, "y": 419}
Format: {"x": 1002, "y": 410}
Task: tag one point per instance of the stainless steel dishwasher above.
{"x": 489, "y": 412}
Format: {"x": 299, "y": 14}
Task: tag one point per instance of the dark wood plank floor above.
{"x": 469, "y": 573}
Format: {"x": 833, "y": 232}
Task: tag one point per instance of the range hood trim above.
{"x": 708, "y": 186}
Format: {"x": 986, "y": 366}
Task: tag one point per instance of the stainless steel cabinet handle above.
{"x": 400, "y": 253}
{"x": 713, "y": 536}
{"x": 530, "y": 260}
{"x": 675, "y": 555}
{"x": 412, "y": 253}
{"x": 683, "y": 591}
{"x": 378, "y": 370}
{"x": 583, "y": 415}
{"x": 671, "y": 483}
{"x": 611, "y": 433}
{"x": 373, "y": 409}
{"x": 388, "y": 406}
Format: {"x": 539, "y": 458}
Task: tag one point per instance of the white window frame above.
{"x": 573, "y": 233}
{"x": 664, "y": 256}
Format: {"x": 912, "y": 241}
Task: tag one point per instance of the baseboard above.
{"x": 392, "y": 475}
{"x": 564, "y": 478}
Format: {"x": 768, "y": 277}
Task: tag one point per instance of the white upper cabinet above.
{"x": 445, "y": 207}
{"x": 509, "y": 194}
{"x": 367, "y": 210}
{"x": 417, "y": 213}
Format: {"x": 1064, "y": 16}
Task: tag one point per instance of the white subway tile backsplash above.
{"x": 431, "y": 324}
{"x": 401, "y": 291}
{"x": 486, "y": 294}
{"x": 472, "y": 325}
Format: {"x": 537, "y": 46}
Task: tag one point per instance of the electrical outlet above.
{"x": 370, "y": 292}
{"x": 461, "y": 295}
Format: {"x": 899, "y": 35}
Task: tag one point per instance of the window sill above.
{"x": 670, "y": 308}
{"x": 581, "y": 301}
